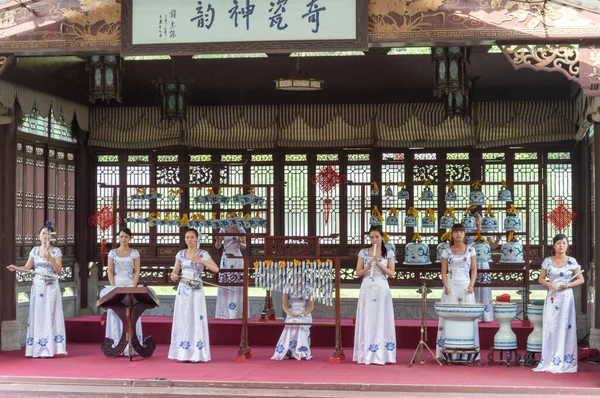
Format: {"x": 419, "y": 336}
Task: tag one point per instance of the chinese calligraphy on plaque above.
{"x": 242, "y": 11}
{"x": 214, "y": 21}
{"x": 166, "y": 24}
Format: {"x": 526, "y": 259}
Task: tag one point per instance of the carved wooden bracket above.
{"x": 5, "y": 62}
{"x": 5, "y": 117}
{"x": 580, "y": 63}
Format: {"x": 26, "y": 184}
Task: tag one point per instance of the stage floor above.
{"x": 85, "y": 365}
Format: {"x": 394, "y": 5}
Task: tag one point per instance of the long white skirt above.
{"x": 189, "y": 334}
{"x": 46, "y": 322}
{"x": 457, "y": 290}
{"x": 375, "y": 331}
{"x": 484, "y": 294}
{"x": 294, "y": 339}
{"x": 559, "y": 341}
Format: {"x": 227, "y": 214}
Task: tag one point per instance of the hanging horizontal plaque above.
{"x": 186, "y": 27}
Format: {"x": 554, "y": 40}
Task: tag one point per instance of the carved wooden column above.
{"x": 84, "y": 246}
{"x": 582, "y": 205}
{"x": 10, "y": 328}
{"x": 595, "y": 331}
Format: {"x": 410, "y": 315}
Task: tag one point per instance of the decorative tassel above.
{"x": 327, "y": 209}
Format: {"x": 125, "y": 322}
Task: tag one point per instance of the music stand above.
{"x": 129, "y": 303}
{"x": 423, "y": 343}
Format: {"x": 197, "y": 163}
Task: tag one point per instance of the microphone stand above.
{"x": 423, "y": 343}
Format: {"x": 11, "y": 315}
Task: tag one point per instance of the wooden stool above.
{"x": 472, "y": 354}
{"x": 510, "y": 353}
{"x": 530, "y": 359}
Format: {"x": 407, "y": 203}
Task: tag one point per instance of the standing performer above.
{"x": 189, "y": 334}
{"x": 123, "y": 271}
{"x": 229, "y": 302}
{"x": 375, "y": 331}
{"x": 559, "y": 342}
{"x": 458, "y": 261}
{"x": 46, "y": 322}
{"x": 295, "y": 340}
{"x": 484, "y": 294}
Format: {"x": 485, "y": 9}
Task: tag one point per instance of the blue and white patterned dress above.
{"x": 123, "y": 273}
{"x": 559, "y": 341}
{"x": 458, "y": 279}
{"x": 483, "y": 294}
{"x": 229, "y": 303}
{"x": 46, "y": 323}
{"x": 375, "y": 331}
{"x": 189, "y": 334}
{"x": 295, "y": 339}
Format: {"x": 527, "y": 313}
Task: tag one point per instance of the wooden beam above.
{"x": 45, "y": 84}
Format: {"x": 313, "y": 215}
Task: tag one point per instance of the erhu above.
{"x": 198, "y": 283}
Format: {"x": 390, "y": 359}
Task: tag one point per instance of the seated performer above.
{"x": 123, "y": 271}
{"x": 189, "y": 334}
{"x": 295, "y": 340}
{"x": 459, "y": 272}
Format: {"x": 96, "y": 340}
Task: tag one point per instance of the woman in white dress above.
{"x": 559, "y": 341}
{"x": 189, "y": 334}
{"x": 484, "y": 294}
{"x": 295, "y": 340}
{"x": 459, "y": 272}
{"x": 46, "y": 322}
{"x": 375, "y": 331}
{"x": 229, "y": 302}
{"x": 123, "y": 271}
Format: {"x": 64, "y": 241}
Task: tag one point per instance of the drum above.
{"x": 459, "y": 323}
{"x": 536, "y": 316}
{"x": 505, "y": 338}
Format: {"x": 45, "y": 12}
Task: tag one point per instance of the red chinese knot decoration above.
{"x": 103, "y": 219}
{"x": 561, "y": 217}
{"x": 327, "y": 179}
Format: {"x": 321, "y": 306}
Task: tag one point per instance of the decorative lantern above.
{"x": 451, "y": 81}
{"x": 104, "y": 77}
{"x": 173, "y": 99}
{"x": 459, "y": 104}
{"x": 298, "y": 82}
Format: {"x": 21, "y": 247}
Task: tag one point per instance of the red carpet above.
{"x": 86, "y": 361}
{"x": 87, "y": 329}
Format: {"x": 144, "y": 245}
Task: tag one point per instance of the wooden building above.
{"x": 436, "y": 91}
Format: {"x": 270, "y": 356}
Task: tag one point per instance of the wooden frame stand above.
{"x": 129, "y": 303}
